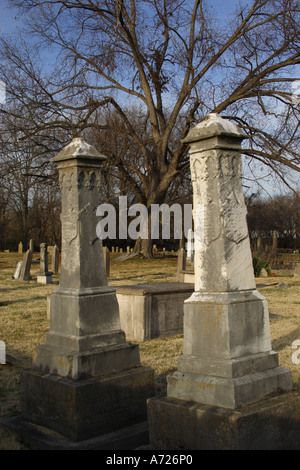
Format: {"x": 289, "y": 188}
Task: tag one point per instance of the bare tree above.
{"x": 175, "y": 59}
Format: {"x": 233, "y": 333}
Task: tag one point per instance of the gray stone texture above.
{"x": 86, "y": 379}
{"x": 44, "y": 276}
{"x": 25, "y": 268}
{"x": 55, "y": 259}
{"x": 152, "y": 310}
{"x": 227, "y": 360}
{"x": 271, "y": 424}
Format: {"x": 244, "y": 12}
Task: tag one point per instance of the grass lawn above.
{"x": 23, "y": 324}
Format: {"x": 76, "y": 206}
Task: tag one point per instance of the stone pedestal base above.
{"x": 82, "y": 409}
{"x": 40, "y": 438}
{"x": 271, "y": 424}
{"x": 44, "y": 279}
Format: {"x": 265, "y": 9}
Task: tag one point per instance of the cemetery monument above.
{"x": 86, "y": 383}
{"x": 229, "y": 391}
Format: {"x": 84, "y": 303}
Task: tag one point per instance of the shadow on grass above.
{"x": 9, "y": 302}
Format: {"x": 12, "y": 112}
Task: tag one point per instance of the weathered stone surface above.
{"x": 44, "y": 276}
{"x": 55, "y": 260}
{"x": 18, "y": 270}
{"x": 271, "y": 424}
{"x": 25, "y": 268}
{"x": 86, "y": 379}
{"x": 83, "y": 409}
{"x": 152, "y": 310}
{"x": 227, "y": 360}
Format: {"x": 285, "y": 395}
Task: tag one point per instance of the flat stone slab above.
{"x": 40, "y": 438}
{"x": 270, "y": 424}
{"x": 152, "y": 310}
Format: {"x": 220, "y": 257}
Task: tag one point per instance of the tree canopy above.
{"x": 151, "y": 69}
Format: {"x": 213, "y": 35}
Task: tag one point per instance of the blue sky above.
{"x": 8, "y": 23}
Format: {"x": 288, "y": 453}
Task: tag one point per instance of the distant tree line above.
{"x": 280, "y": 214}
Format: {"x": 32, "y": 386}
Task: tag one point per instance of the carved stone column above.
{"x": 86, "y": 379}
{"x": 227, "y": 365}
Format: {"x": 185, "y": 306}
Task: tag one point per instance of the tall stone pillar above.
{"x": 227, "y": 362}
{"x": 86, "y": 380}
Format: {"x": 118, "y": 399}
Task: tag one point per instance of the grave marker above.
{"x": 25, "y": 268}
{"x": 55, "y": 259}
{"x": 222, "y": 395}
{"x": 18, "y": 270}
{"x": 86, "y": 382}
{"x": 44, "y": 276}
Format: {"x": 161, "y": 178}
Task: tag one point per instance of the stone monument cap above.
{"x": 211, "y": 126}
{"x": 79, "y": 149}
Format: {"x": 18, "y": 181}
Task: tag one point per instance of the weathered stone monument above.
{"x": 55, "y": 259}
{"x": 44, "y": 276}
{"x": 17, "y": 270}
{"x": 24, "y": 274}
{"x": 181, "y": 262}
{"x": 20, "y": 247}
{"x": 229, "y": 391}
{"x": 189, "y": 250}
{"x": 86, "y": 383}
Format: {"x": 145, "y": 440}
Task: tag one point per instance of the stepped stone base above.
{"x": 40, "y": 438}
{"x": 270, "y": 424}
{"x": 83, "y": 409}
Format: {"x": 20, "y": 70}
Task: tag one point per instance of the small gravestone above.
{"x": 55, "y": 260}
{"x": 20, "y": 247}
{"x": 189, "y": 250}
{"x": 2, "y": 352}
{"x": 25, "y": 268}
{"x": 181, "y": 263}
{"x": 18, "y": 270}
{"x": 44, "y": 276}
{"x": 31, "y": 245}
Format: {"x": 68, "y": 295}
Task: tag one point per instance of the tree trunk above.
{"x": 144, "y": 247}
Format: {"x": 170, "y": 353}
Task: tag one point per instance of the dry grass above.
{"x": 23, "y": 324}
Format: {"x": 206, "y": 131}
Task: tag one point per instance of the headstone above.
{"x": 222, "y": 394}
{"x": 259, "y": 243}
{"x": 181, "y": 263}
{"x": 18, "y": 270}
{"x": 44, "y": 276}
{"x": 86, "y": 383}
{"x": 20, "y": 247}
{"x": 55, "y": 259}
{"x": 25, "y": 268}
{"x": 106, "y": 260}
{"x": 2, "y": 352}
{"x": 31, "y": 245}
{"x": 297, "y": 270}
{"x": 189, "y": 251}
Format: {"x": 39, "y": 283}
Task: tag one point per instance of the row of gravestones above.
{"x": 44, "y": 276}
